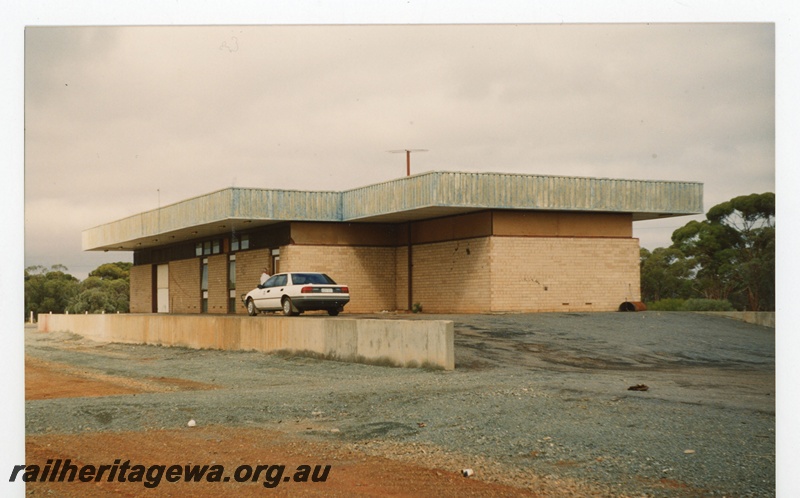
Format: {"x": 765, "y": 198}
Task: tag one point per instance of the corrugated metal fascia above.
{"x": 440, "y": 189}
{"x": 516, "y": 191}
{"x": 287, "y": 205}
{"x": 165, "y": 207}
{"x": 568, "y": 193}
{"x": 229, "y": 203}
{"x": 194, "y": 211}
{"x": 404, "y": 194}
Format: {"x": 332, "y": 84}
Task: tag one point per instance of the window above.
{"x": 204, "y": 286}
{"x": 276, "y": 281}
{"x": 208, "y": 247}
{"x": 311, "y": 278}
{"x": 232, "y": 272}
{"x": 232, "y": 283}
{"x": 276, "y": 259}
{"x": 204, "y": 275}
{"x": 240, "y": 242}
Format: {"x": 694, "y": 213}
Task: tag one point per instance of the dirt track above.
{"x": 538, "y": 404}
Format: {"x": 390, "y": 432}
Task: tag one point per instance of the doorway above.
{"x": 162, "y": 289}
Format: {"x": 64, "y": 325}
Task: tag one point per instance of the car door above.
{"x": 272, "y": 292}
{"x": 262, "y": 294}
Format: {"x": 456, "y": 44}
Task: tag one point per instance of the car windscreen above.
{"x": 311, "y": 278}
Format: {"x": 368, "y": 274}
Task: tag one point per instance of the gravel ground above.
{"x": 533, "y": 396}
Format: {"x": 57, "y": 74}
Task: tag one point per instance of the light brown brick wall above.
{"x": 563, "y": 274}
{"x": 184, "y": 286}
{"x": 401, "y": 278}
{"x": 142, "y": 289}
{"x": 369, "y": 271}
{"x": 218, "y": 283}
{"x": 482, "y": 274}
{"x": 562, "y": 224}
{"x": 465, "y": 226}
{"x": 452, "y": 277}
{"x": 249, "y": 265}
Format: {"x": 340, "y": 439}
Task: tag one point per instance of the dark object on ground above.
{"x": 632, "y": 306}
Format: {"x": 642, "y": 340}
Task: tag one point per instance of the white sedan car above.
{"x": 296, "y": 292}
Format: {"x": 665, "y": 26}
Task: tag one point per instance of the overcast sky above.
{"x": 120, "y": 119}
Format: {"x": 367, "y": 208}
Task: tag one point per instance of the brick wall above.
{"x": 369, "y": 271}
{"x": 452, "y": 277}
{"x": 481, "y": 274}
{"x": 249, "y": 265}
{"x": 184, "y": 286}
{"x": 141, "y": 289}
{"x": 401, "y": 278}
{"x": 218, "y": 283}
{"x": 563, "y": 274}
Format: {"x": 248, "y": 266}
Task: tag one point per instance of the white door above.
{"x": 162, "y": 288}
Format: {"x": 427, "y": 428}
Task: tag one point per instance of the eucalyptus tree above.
{"x": 732, "y": 251}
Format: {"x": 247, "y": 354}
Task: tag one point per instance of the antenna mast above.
{"x": 408, "y": 157}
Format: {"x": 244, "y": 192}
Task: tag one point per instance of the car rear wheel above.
{"x": 251, "y": 308}
{"x": 288, "y": 309}
{"x": 333, "y": 312}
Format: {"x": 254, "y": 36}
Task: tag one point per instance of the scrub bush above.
{"x": 671, "y": 304}
{"x": 707, "y": 305}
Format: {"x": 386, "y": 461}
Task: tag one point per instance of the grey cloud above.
{"x": 115, "y": 114}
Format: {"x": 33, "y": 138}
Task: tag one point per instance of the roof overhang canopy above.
{"x": 422, "y": 196}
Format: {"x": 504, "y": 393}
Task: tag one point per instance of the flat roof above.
{"x": 417, "y": 197}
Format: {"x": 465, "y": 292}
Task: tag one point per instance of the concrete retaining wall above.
{"x": 397, "y": 342}
{"x": 763, "y": 318}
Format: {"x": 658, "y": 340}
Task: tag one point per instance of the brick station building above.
{"x": 452, "y": 242}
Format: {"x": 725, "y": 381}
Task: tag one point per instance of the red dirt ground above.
{"x": 351, "y": 474}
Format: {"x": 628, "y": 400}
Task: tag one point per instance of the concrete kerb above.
{"x": 408, "y": 343}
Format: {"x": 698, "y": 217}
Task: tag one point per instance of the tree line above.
{"x": 105, "y": 290}
{"x": 728, "y": 257}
